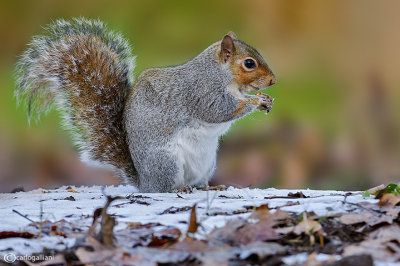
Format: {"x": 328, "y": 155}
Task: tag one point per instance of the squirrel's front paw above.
{"x": 266, "y": 102}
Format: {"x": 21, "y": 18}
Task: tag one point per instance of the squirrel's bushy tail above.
{"x": 87, "y": 71}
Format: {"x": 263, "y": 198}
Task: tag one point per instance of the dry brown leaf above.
{"x": 386, "y": 233}
{"x": 312, "y": 260}
{"x": 262, "y": 213}
{"x": 260, "y": 250}
{"x": 157, "y": 256}
{"x": 226, "y": 233}
{"x": 260, "y": 231}
{"x": 193, "y": 245}
{"x": 307, "y": 226}
{"x": 355, "y": 260}
{"x": 298, "y": 194}
{"x": 99, "y": 253}
{"x": 379, "y": 251}
{"x": 151, "y": 234}
{"x": 10, "y": 234}
{"x": 173, "y": 209}
{"x": 217, "y": 188}
{"x": 106, "y": 234}
{"x": 57, "y": 228}
{"x": 369, "y": 217}
{"x": 383, "y": 244}
{"x": 240, "y": 231}
{"x": 133, "y": 224}
{"x": 206, "y": 253}
{"x": 193, "y": 221}
{"x": 290, "y": 203}
{"x": 165, "y": 237}
{"x": 389, "y": 200}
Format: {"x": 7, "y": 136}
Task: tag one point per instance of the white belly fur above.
{"x": 196, "y": 150}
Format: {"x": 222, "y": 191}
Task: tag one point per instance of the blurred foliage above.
{"x": 335, "y": 123}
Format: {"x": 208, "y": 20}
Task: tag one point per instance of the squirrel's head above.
{"x": 250, "y": 70}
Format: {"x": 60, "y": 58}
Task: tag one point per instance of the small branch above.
{"x": 25, "y": 216}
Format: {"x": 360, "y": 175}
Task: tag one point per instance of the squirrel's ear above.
{"x": 233, "y": 35}
{"x": 227, "y": 48}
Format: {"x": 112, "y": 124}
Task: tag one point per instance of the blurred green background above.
{"x": 335, "y": 123}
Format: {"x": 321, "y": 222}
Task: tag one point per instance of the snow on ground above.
{"x": 54, "y": 205}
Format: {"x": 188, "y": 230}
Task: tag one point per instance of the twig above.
{"x": 364, "y": 208}
{"x": 25, "y": 216}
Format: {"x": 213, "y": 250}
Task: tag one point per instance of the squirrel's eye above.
{"x": 249, "y": 63}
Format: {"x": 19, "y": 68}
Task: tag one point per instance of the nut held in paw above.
{"x": 266, "y": 102}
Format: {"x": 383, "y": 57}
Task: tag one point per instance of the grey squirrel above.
{"x": 158, "y": 133}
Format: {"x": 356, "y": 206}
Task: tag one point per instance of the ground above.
{"x": 268, "y": 226}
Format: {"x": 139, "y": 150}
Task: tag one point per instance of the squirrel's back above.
{"x": 87, "y": 71}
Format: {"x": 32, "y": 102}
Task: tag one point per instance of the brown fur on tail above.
{"x": 87, "y": 71}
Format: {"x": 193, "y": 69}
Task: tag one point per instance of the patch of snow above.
{"x": 55, "y": 207}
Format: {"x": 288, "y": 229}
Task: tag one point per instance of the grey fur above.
{"x": 172, "y": 117}
{"x": 166, "y": 101}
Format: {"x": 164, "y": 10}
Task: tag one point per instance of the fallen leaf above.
{"x": 230, "y": 197}
{"x": 298, "y": 194}
{"x": 193, "y": 245}
{"x": 306, "y": 226}
{"x": 386, "y": 233}
{"x": 260, "y": 212}
{"x": 263, "y": 214}
{"x": 133, "y": 196}
{"x": 70, "y": 198}
{"x": 226, "y": 234}
{"x": 193, "y": 221}
{"x": 167, "y": 236}
{"x": 260, "y": 231}
{"x": 260, "y": 250}
{"x": 375, "y": 248}
{"x": 58, "y": 228}
{"x": 236, "y": 232}
{"x": 215, "y": 213}
{"x": 94, "y": 252}
{"x": 368, "y": 217}
{"x": 133, "y": 224}
{"x": 339, "y": 232}
{"x": 383, "y": 244}
{"x": 10, "y": 234}
{"x": 290, "y": 195}
{"x": 176, "y": 209}
{"x": 151, "y": 234}
{"x": 355, "y": 260}
{"x": 389, "y": 200}
{"x": 391, "y": 189}
{"x": 217, "y": 188}
{"x": 107, "y": 223}
{"x": 157, "y": 256}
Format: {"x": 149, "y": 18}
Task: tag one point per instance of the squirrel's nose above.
{"x": 272, "y": 81}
